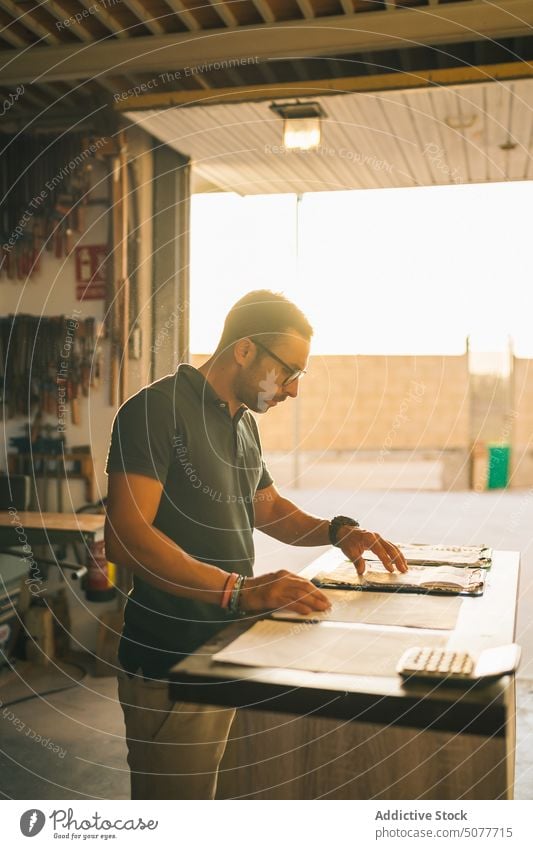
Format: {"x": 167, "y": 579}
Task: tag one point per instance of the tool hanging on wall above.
{"x": 91, "y": 277}
{"x": 118, "y": 302}
{"x": 47, "y": 363}
{"x": 44, "y": 190}
{"x": 135, "y": 342}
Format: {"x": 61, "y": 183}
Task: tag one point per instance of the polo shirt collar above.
{"x": 205, "y": 391}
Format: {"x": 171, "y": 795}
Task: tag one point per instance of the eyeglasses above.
{"x": 293, "y": 373}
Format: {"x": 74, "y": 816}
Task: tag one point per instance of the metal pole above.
{"x": 297, "y": 410}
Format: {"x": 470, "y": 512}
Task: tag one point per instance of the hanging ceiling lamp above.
{"x": 301, "y": 124}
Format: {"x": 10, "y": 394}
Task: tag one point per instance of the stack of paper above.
{"x": 324, "y": 647}
{"x": 440, "y": 579}
{"x": 423, "y": 554}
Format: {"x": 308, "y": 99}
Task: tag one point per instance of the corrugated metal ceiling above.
{"x": 432, "y": 136}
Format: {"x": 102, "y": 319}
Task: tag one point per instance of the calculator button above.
{"x": 468, "y": 666}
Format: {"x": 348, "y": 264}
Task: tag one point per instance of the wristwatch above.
{"x": 233, "y": 605}
{"x": 336, "y": 523}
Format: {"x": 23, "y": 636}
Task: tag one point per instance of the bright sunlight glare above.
{"x": 385, "y": 271}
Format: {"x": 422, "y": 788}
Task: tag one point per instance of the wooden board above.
{"x": 52, "y": 528}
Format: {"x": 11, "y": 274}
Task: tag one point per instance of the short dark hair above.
{"x": 262, "y": 313}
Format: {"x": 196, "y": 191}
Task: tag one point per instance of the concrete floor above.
{"x": 86, "y": 724}
{"x": 82, "y": 754}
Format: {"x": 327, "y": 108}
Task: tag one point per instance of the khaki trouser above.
{"x": 174, "y": 748}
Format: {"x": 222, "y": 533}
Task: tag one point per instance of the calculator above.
{"x": 453, "y": 665}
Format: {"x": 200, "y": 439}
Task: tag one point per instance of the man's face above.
{"x": 260, "y": 384}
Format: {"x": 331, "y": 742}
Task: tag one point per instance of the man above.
{"x": 187, "y": 486}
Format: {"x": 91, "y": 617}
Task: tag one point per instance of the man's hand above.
{"x": 354, "y": 541}
{"x": 282, "y": 591}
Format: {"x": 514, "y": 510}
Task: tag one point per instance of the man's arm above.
{"x": 282, "y": 519}
{"x": 132, "y": 541}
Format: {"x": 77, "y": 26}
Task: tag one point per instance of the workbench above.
{"x": 307, "y": 735}
{"x": 51, "y": 528}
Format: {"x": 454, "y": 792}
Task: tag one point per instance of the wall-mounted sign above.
{"x": 91, "y": 272}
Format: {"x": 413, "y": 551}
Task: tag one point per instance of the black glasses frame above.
{"x": 294, "y": 374}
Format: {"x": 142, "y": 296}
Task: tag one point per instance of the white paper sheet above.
{"x": 411, "y": 611}
{"x": 323, "y": 647}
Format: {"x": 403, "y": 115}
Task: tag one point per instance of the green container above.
{"x": 499, "y": 457}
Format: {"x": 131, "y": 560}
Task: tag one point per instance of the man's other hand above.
{"x": 282, "y": 591}
{"x": 354, "y": 541}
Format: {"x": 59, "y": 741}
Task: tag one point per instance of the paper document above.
{"x": 419, "y": 579}
{"x": 322, "y": 647}
{"x": 446, "y": 555}
{"x": 412, "y": 611}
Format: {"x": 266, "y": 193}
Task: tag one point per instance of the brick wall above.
{"x": 382, "y": 403}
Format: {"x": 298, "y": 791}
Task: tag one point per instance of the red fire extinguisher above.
{"x": 99, "y": 581}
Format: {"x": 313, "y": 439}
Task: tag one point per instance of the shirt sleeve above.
{"x": 142, "y": 436}
{"x": 266, "y": 478}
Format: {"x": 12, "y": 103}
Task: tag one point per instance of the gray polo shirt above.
{"x": 179, "y": 432}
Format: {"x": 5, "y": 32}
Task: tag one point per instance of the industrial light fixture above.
{"x": 301, "y": 124}
{"x": 460, "y": 122}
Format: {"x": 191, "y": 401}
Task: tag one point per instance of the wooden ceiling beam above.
{"x": 36, "y": 97}
{"x": 201, "y": 81}
{"x": 225, "y": 13}
{"x": 267, "y": 73}
{"x": 106, "y": 18}
{"x": 54, "y": 91}
{"x": 106, "y": 84}
{"x": 339, "y": 34}
{"x": 30, "y": 21}
{"x": 265, "y": 11}
{"x": 145, "y": 17}
{"x": 306, "y": 9}
{"x": 59, "y": 98}
{"x": 12, "y": 38}
{"x": 342, "y": 85}
{"x": 49, "y": 117}
{"x": 183, "y": 14}
{"x": 63, "y": 13}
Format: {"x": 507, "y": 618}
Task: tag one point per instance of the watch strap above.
{"x": 233, "y": 605}
{"x": 336, "y": 523}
